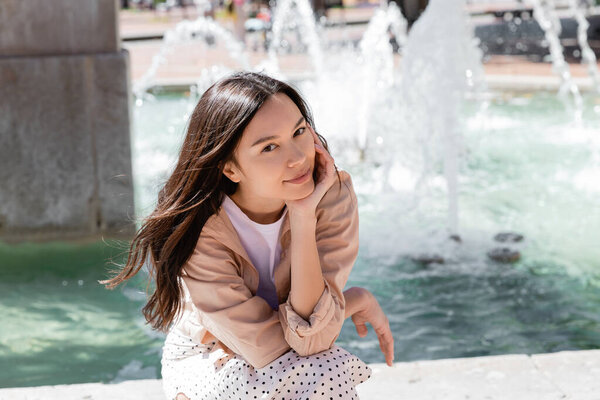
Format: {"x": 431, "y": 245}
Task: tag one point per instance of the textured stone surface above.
{"x": 146, "y": 389}
{"x": 113, "y": 147}
{"x": 491, "y": 377}
{"x": 65, "y": 147}
{"x": 570, "y": 375}
{"x": 574, "y": 372}
{"x": 54, "y": 27}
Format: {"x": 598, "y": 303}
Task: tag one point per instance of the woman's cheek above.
{"x": 275, "y": 164}
{"x": 310, "y": 147}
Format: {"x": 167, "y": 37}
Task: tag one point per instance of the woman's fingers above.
{"x": 324, "y": 156}
{"x": 387, "y": 348}
{"x": 386, "y": 344}
{"x": 325, "y": 165}
{"x": 315, "y": 137}
{"x": 325, "y": 159}
{"x": 361, "y": 329}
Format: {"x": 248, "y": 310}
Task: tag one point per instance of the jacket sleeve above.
{"x": 245, "y": 323}
{"x": 337, "y": 244}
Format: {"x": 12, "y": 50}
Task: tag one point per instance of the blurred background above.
{"x": 470, "y": 128}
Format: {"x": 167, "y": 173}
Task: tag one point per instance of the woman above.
{"x": 251, "y": 243}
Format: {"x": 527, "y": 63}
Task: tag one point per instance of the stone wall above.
{"x": 65, "y": 156}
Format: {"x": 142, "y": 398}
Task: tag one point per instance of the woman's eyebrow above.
{"x": 266, "y": 138}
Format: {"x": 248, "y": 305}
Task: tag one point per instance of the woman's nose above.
{"x": 297, "y": 156}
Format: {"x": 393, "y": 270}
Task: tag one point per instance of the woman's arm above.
{"x": 307, "y": 285}
{"x": 336, "y": 236}
{"x": 311, "y": 277}
{"x": 322, "y": 256}
{"x": 307, "y": 279}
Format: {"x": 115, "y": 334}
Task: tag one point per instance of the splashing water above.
{"x": 579, "y": 8}
{"x": 291, "y": 13}
{"x": 440, "y": 66}
{"x": 377, "y": 58}
{"x": 544, "y": 11}
{"x": 396, "y": 121}
{"x": 185, "y": 31}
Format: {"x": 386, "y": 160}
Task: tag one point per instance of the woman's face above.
{"x": 276, "y": 146}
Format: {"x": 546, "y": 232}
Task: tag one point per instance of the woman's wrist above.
{"x": 301, "y": 224}
{"x": 357, "y": 299}
{"x": 299, "y": 216}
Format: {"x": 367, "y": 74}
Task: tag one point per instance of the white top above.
{"x": 261, "y": 244}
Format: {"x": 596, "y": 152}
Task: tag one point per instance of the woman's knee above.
{"x": 181, "y": 396}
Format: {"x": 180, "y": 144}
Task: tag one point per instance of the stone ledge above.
{"x": 534, "y": 82}
{"x": 573, "y": 375}
{"x": 515, "y": 83}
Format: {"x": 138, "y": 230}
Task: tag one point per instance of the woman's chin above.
{"x": 303, "y": 191}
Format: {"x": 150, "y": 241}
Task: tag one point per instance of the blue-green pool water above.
{"x": 526, "y": 169}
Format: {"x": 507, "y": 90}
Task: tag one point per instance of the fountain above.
{"x": 409, "y": 155}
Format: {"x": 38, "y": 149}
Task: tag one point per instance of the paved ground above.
{"x": 563, "y": 375}
{"x": 186, "y": 61}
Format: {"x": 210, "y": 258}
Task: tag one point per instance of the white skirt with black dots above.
{"x": 189, "y": 368}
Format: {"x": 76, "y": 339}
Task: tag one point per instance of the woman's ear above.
{"x": 231, "y": 172}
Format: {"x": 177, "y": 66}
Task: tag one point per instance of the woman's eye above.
{"x": 300, "y": 131}
{"x": 267, "y": 147}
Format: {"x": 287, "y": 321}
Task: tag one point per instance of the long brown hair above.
{"x": 196, "y": 188}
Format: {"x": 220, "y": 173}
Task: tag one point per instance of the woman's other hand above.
{"x": 325, "y": 176}
{"x": 373, "y": 314}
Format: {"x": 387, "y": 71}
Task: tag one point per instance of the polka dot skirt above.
{"x": 190, "y": 368}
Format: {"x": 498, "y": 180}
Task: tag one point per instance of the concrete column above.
{"x": 65, "y": 156}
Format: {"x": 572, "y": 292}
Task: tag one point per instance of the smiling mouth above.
{"x": 301, "y": 176}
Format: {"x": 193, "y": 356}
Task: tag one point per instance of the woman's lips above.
{"x": 302, "y": 178}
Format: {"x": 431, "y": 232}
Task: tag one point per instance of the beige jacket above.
{"x": 220, "y": 285}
